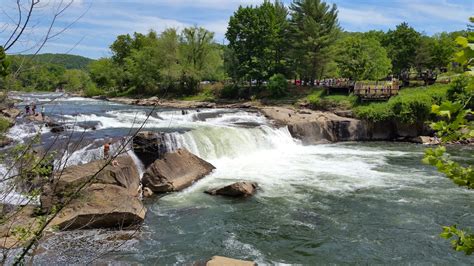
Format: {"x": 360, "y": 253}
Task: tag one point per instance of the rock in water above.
{"x": 237, "y": 190}
{"x": 223, "y": 261}
{"x": 111, "y": 199}
{"x": 176, "y": 171}
{"x": 147, "y": 193}
{"x": 149, "y": 147}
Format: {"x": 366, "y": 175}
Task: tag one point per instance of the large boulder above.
{"x": 236, "y": 190}
{"x": 149, "y": 146}
{"x": 16, "y": 217}
{"x": 109, "y": 197}
{"x": 175, "y": 171}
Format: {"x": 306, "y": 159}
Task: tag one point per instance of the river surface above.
{"x": 346, "y": 203}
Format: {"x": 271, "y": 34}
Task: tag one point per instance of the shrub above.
{"x": 230, "y": 91}
{"x": 92, "y": 90}
{"x": 4, "y": 125}
{"x": 277, "y": 85}
{"x": 462, "y": 90}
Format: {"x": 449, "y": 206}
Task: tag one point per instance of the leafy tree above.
{"x": 360, "y": 58}
{"x": 258, "y": 38}
{"x": 121, "y": 48}
{"x": 443, "y": 50}
{"x": 402, "y": 44}
{"x": 314, "y": 31}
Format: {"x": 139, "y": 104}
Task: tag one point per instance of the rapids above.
{"x": 364, "y": 203}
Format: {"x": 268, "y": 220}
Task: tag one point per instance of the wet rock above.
{"x": 147, "y": 192}
{"x": 5, "y": 141}
{"x": 100, "y": 97}
{"x": 223, "y": 261}
{"x": 11, "y": 113}
{"x": 175, "y": 171}
{"x": 425, "y": 140}
{"x": 110, "y": 197}
{"x": 236, "y": 190}
{"x": 149, "y": 146}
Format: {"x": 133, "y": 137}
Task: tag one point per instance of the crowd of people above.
{"x": 331, "y": 82}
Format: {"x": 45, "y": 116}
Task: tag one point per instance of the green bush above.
{"x": 230, "y": 91}
{"x": 92, "y": 90}
{"x": 462, "y": 90}
{"x": 277, "y": 85}
{"x": 375, "y": 112}
{"x": 410, "y": 106}
{"x": 4, "y": 125}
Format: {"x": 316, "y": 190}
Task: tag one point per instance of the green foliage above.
{"x": 258, "y": 38}
{"x": 277, "y": 85}
{"x": 410, "y": 106}
{"x": 4, "y": 62}
{"x": 374, "y": 112}
{"x": 402, "y": 44}
{"x": 66, "y": 61}
{"x": 319, "y": 100}
{"x": 315, "y": 29}
{"x": 466, "y": 55}
{"x": 4, "y": 125}
{"x": 462, "y": 90}
{"x": 151, "y": 64}
{"x": 230, "y": 91}
{"x": 361, "y": 58}
{"x": 463, "y": 243}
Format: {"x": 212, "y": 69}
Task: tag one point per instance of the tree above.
{"x": 401, "y": 45}
{"x": 443, "y": 50}
{"x": 258, "y": 38}
{"x": 360, "y": 58}
{"x": 466, "y": 55}
{"x": 314, "y": 31}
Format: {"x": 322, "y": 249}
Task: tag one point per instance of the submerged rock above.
{"x": 425, "y": 140}
{"x": 175, "y": 171}
{"x": 149, "y": 146}
{"x": 223, "y": 261}
{"x": 237, "y": 190}
{"x": 110, "y": 197}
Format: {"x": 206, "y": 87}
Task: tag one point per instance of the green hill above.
{"x": 66, "y": 60}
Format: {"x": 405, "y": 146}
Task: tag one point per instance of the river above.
{"x": 345, "y": 203}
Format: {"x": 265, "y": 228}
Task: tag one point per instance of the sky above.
{"x": 92, "y": 25}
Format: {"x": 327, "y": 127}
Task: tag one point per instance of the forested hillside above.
{"x": 67, "y": 61}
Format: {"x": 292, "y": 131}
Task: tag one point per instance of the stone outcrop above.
{"x": 175, "y": 171}
{"x": 236, "y": 190}
{"x": 223, "y": 261}
{"x": 109, "y": 199}
{"x": 313, "y": 127}
{"x": 149, "y": 147}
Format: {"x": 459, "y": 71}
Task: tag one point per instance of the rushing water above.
{"x": 340, "y": 203}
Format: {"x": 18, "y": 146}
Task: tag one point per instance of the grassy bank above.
{"x": 411, "y": 105}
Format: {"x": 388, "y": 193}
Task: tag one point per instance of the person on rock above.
{"x": 33, "y": 108}
{"x": 42, "y": 112}
{"x": 27, "y": 110}
{"x": 106, "y": 150}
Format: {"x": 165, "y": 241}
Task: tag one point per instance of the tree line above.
{"x": 267, "y": 44}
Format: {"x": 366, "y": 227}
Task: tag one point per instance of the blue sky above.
{"x": 100, "y": 21}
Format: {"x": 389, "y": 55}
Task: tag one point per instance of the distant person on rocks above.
{"x": 42, "y": 112}
{"x": 33, "y": 108}
{"x": 27, "y": 109}
{"x": 106, "y": 150}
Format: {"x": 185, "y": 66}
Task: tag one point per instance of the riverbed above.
{"x": 364, "y": 203}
